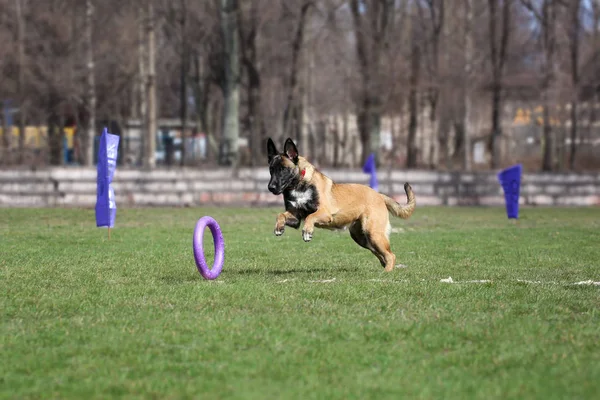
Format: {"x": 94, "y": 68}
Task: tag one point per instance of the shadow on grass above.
{"x": 180, "y": 279}
{"x": 279, "y": 272}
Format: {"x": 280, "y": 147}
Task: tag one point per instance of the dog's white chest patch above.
{"x": 301, "y": 199}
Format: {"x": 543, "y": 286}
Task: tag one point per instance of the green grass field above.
{"x": 84, "y": 317}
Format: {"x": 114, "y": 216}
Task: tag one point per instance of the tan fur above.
{"x": 359, "y": 208}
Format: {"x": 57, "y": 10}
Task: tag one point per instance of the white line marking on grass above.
{"x": 536, "y": 282}
{"x": 590, "y": 282}
{"x": 324, "y": 281}
{"x": 450, "y": 280}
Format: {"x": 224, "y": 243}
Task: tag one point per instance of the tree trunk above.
{"x": 308, "y": 115}
{"x": 20, "y": 42}
{"x": 446, "y": 94}
{"x": 498, "y": 60}
{"x": 369, "y": 49}
{"x": 336, "y": 141}
{"x": 496, "y": 129}
{"x": 143, "y": 98}
{"x": 362, "y": 120}
{"x": 547, "y": 20}
{"x": 6, "y": 132}
{"x": 231, "y": 93}
{"x": 199, "y": 84}
{"x": 437, "y": 11}
{"x": 549, "y": 47}
{"x": 55, "y": 132}
{"x": 256, "y": 124}
{"x": 364, "y": 105}
{"x": 469, "y": 53}
{"x": 298, "y": 117}
{"x": 250, "y": 54}
{"x": 415, "y": 60}
{"x": 213, "y": 126}
{"x": 183, "y": 99}
{"x": 312, "y": 133}
{"x": 290, "y": 112}
{"x": 150, "y": 154}
{"x": 435, "y": 135}
{"x": 257, "y": 131}
{"x": 574, "y": 44}
{"x": 345, "y": 140}
{"x": 375, "y": 127}
{"x": 346, "y": 111}
{"x": 547, "y": 133}
{"x": 88, "y": 142}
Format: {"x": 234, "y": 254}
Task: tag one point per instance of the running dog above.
{"x": 314, "y": 198}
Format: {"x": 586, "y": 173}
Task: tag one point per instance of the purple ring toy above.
{"x": 199, "y": 248}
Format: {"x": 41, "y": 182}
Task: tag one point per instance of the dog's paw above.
{"x": 278, "y": 231}
{"x": 306, "y": 236}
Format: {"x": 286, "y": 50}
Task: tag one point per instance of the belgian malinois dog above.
{"x": 314, "y": 198}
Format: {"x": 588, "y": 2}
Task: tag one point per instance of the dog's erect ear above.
{"x": 271, "y": 149}
{"x": 290, "y": 149}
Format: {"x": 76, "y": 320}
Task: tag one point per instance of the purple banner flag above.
{"x": 510, "y": 180}
{"x": 369, "y": 168}
{"x": 106, "y": 207}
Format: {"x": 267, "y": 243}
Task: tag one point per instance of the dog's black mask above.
{"x": 283, "y": 167}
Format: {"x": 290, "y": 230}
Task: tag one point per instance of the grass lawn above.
{"x": 84, "y": 317}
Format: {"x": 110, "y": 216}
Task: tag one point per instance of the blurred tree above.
{"x": 251, "y": 20}
{"x": 468, "y": 99}
{"x": 231, "y": 89}
{"x": 372, "y": 22}
{"x": 292, "y": 115}
{"x": 150, "y": 90}
{"x": 88, "y": 142}
{"x": 432, "y": 20}
{"x": 574, "y": 10}
{"x": 499, "y": 41}
{"x": 20, "y": 10}
{"x": 414, "y": 81}
{"x": 545, "y": 15}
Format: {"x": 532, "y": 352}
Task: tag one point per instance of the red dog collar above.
{"x": 302, "y": 173}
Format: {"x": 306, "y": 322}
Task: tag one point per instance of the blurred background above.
{"x": 424, "y": 84}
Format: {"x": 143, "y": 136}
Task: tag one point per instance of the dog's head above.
{"x": 283, "y": 167}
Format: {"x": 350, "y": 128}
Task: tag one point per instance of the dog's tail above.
{"x": 402, "y": 211}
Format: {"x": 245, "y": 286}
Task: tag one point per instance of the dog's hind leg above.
{"x": 381, "y": 249}
{"x": 358, "y": 235}
{"x": 364, "y": 240}
{"x": 377, "y": 229}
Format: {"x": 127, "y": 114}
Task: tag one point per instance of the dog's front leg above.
{"x": 319, "y": 217}
{"x": 283, "y": 219}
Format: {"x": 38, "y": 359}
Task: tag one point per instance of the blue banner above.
{"x": 106, "y": 207}
{"x": 510, "y": 180}
{"x": 370, "y": 168}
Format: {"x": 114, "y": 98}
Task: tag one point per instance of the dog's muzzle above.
{"x": 273, "y": 189}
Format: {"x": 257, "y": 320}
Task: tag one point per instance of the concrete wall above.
{"x": 76, "y": 187}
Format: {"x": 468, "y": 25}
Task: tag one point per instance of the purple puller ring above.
{"x": 199, "y": 248}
